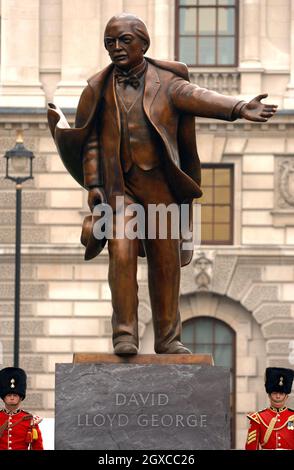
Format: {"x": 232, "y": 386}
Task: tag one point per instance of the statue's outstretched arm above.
{"x": 192, "y": 99}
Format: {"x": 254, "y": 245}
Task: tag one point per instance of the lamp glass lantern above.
{"x": 19, "y": 162}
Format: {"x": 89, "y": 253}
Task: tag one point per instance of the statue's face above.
{"x": 125, "y": 48}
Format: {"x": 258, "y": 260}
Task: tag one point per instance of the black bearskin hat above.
{"x": 13, "y": 380}
{"x": 278, "y": 379}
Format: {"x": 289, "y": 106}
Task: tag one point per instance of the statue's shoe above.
{"x": 176, "y": 347}
{"x": 124, "y": 348}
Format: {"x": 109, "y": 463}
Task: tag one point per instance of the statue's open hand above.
{"x": 257, "y": 111}
{"x": 95, "y": 196}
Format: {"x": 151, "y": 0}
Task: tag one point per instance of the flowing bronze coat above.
{"x": 91, "y": 151}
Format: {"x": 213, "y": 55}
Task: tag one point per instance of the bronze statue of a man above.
{"x": 134, "y": 137}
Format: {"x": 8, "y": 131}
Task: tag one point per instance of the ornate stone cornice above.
{"x": 31, "y": 117}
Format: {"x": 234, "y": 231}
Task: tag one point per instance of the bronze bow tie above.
{"x": 125, "y": 80}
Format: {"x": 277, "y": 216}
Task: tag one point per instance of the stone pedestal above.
{"x": 146, "y": 402}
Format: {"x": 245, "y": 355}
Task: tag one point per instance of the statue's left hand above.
{"x": 257, "y": 111}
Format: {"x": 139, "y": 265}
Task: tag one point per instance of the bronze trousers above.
{"x": 163, "y": 259}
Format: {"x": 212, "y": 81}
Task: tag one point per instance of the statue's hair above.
{"x": 138, "y": 26}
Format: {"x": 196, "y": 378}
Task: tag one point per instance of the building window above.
{"x": 207, "y": 32}
{"x": 217, "y": 204}
{"x": 206, "y": 335}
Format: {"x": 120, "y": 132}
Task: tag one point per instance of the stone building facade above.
{"x": 48, "y": 49}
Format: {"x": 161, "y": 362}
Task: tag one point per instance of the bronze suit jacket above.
{"x": 91, "y": 151}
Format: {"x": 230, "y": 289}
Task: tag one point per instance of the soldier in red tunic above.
{"x": 19, "y": 429}
{"x": 273, "y": 428}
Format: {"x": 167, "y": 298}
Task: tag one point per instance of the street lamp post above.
{"x": 19, "y": 168}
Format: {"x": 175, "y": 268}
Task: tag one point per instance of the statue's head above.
{"x": 126, "y": 39}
